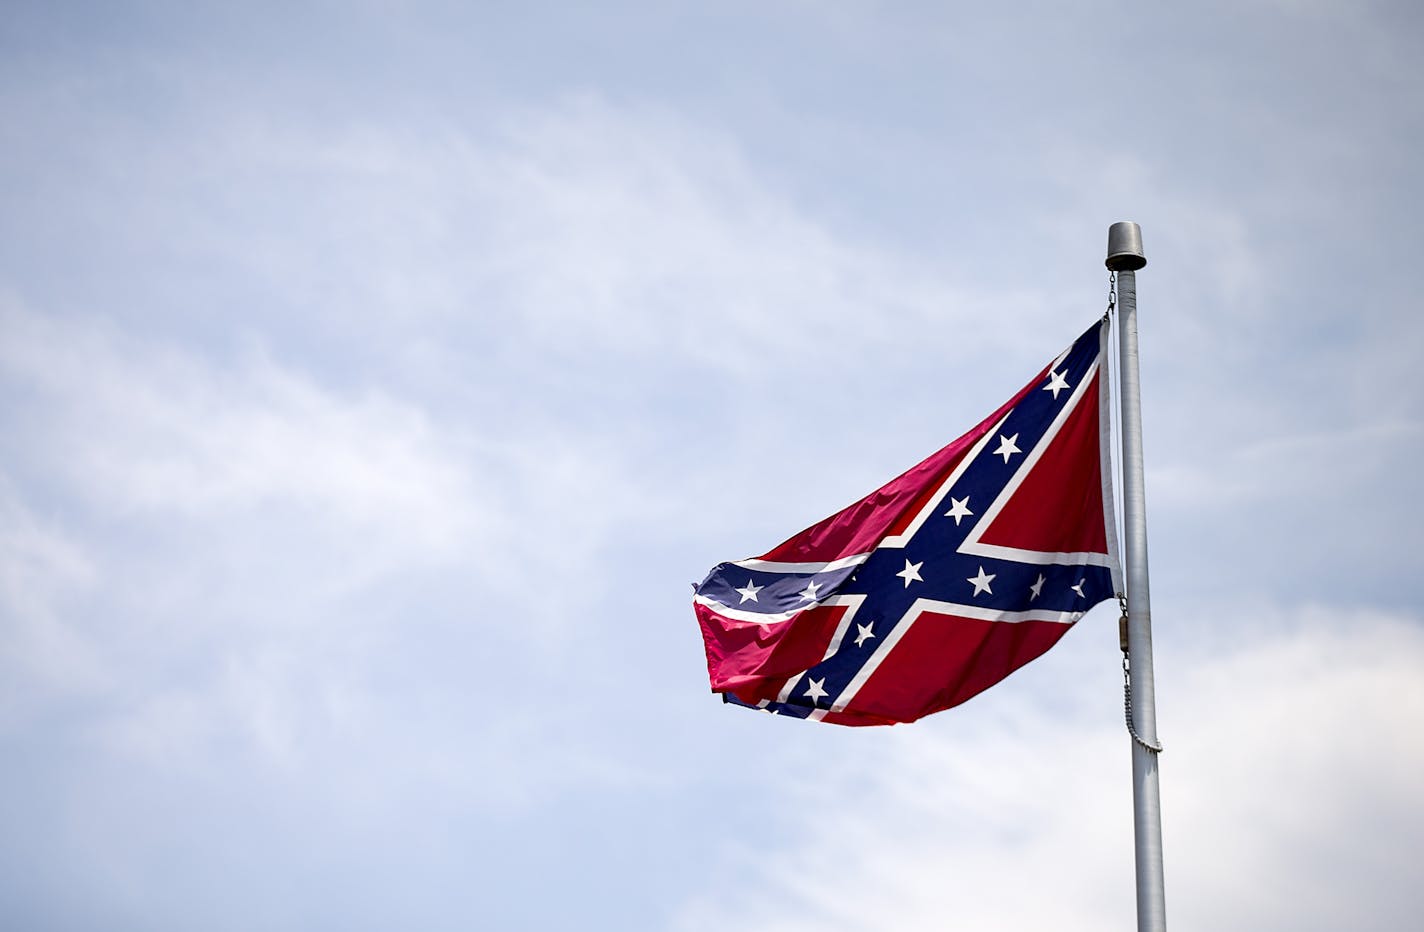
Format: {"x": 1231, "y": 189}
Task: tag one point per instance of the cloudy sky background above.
{"x": 375, "y": 377}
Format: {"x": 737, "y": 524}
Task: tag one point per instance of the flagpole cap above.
{"x": 1125, "y": 247}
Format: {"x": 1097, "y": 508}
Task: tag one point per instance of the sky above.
{"x": 375, "y": 377}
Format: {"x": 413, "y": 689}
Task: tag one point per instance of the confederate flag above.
{"x": 942, "y": 582}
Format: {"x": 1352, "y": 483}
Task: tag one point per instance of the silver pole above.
{"x": 1125, "y": 257}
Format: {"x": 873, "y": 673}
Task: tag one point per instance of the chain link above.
{"x": 1127, "y": 710}
{"x": 1112, "y": 295}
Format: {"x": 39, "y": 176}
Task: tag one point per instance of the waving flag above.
{"x": 942, "y": 582}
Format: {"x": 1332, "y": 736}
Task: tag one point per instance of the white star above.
{"x": 1079, "y": 589}
{"x": 1007, "y": 447}
{"x": 750, "y": 591}
{"x": 981, "y": 582}
{"x": 911, "y": 573}
{"x": 863, "y": 633}
{"x": 1056, "y": 383}
{"x": 959, "y": 509}
{"x": 809, "y": 593}
{"x": 817, "y": 690}
{"x": 1036, "y": 588}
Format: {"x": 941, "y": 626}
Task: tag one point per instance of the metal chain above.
{"x": 1122, "y": 599}
{"x": 1127, "y": 710}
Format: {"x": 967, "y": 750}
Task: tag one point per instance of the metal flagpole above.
{"x": 1125, "y": 257}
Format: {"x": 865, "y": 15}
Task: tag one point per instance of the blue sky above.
{"x": 375, "y": 377}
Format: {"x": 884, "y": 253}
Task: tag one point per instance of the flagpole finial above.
{"x": 1125, "y": 247}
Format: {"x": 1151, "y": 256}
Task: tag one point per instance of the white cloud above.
{"x": 1288, "y": 796}
{"x": 138, "y": 427}
{"x": 1298, "y": 807}
{"x": 557, "y": 234}
{"x": 258, "y": 549}
{"x": 1289, "y": 467}
{"x": 40, "y": 566}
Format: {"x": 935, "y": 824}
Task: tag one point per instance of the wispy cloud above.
{"x": 1274, "y": 800}
{"x": 242, "y": 525}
